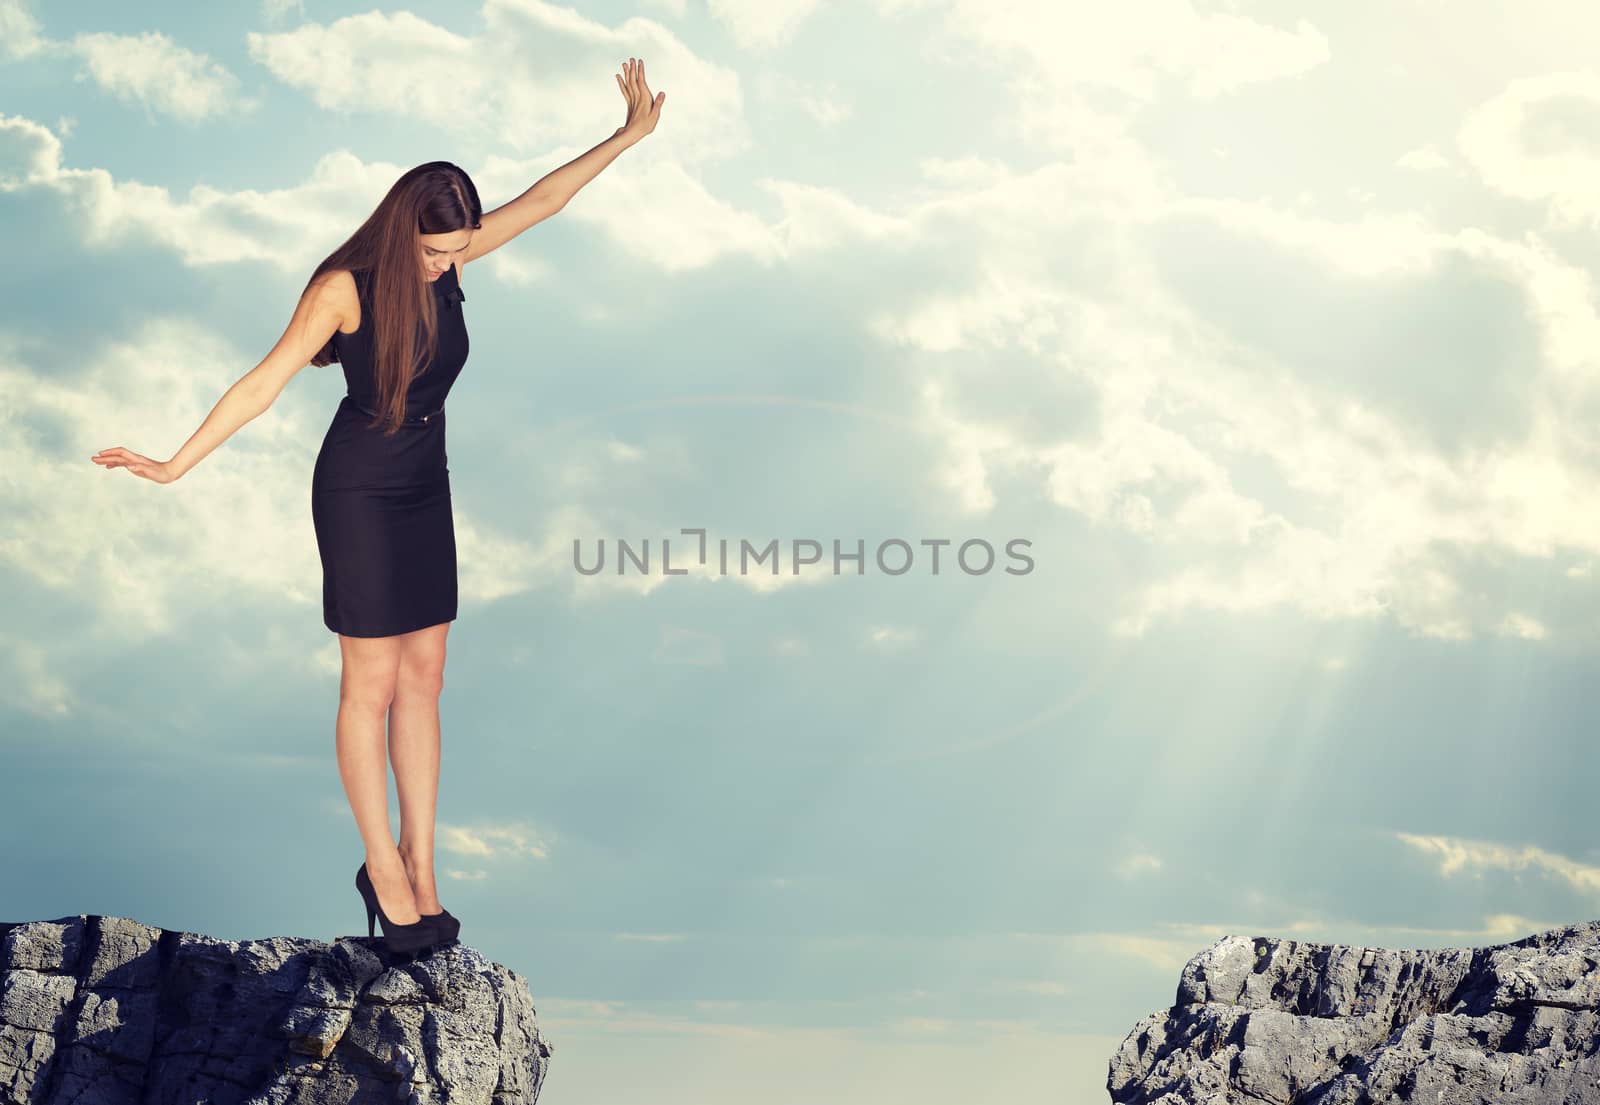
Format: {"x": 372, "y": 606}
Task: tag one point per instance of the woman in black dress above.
{"x": 388, "y": 306}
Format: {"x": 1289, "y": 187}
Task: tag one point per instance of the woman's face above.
{"x": 440, "y": 251}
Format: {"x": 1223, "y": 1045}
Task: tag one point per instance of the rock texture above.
{"x": 107, "y": 1011}
{"x": 1259, "y": 1020}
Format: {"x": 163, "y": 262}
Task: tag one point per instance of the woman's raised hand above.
{"x": 158, "y": 470}
{"x": 643, "y": 109}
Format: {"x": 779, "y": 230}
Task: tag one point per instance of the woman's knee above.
{"x": 368, "y": 679}
{"x": 371, "y": 691}
{"x": 421, "y": 662}
{"x": 420, "y": 673}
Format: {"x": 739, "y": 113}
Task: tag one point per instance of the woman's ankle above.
{"x": 413, "y": 856}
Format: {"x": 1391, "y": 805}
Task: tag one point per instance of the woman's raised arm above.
{"x": 318, "y": 314}
{"x": 550, "y": 193}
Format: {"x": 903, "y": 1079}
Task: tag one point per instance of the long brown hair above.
{"x": 435, "y": 198}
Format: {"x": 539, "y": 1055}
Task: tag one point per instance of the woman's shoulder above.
{"x": 342, "y": 289}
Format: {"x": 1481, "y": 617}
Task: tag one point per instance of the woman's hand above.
{"x": 643, "y": 110}
{"x": 158, "y": 470}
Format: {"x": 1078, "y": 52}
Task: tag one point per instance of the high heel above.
{"x": 396, "y": 938}
{"x": 444, "y": 924}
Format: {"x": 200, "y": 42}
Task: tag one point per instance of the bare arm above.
{"x": 550, "y": 193}
{"x": 317, "y": 315}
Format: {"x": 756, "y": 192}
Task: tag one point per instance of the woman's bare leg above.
{"x": 366, "y": 689}
{"x": 414, "y": 751}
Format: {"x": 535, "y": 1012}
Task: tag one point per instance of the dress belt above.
{"x": 419, "y": 421}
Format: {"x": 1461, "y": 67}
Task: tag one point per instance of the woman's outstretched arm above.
{"x": 316, "y": 317}
{"x": 551, "y": 192}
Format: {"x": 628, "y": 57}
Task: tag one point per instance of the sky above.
{"x": 1266, "y": 330}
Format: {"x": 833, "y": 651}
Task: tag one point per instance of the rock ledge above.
{"x": 1283, "y": 1021}
{"x": 107, "y": 1011}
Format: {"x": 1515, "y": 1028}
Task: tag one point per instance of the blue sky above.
{"x": 1270, "y": 326}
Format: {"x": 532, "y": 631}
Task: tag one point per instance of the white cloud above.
{"x": 1365, "y": 514}
{"x": 19, "y": 30}
{"x": 1036, "y": 987}
{"x": 1376, "y": 505}
{"x": 1422, "y": 158}
{"x": 274, "y": 10}
{"x": 1163, "y": 953}
{"x": 665, "y": 216}
{"x": 153, "y": 70}
{"x": 32, "y": 683}
{"x": 889, "y": 638}
{"x": 536, "y": 76}
{"x": 490, "y": 841}
{"x": 147, "y": 68}
{"x": 400, "y": 61}
{"x": 1186, "y": 412}
{"x": 291, "y": 228}
{"x": 136, "y": 552}
{"x": 1525, "y": 143}
{"x": 827, "y": 104}
{"x": 1129, "y": 46}
{"x": 761, "y": 24}
{"x": 670, "y": 220}
{"x": 1522, "y": 625}
{"x": 1136, "y": 864}
{"x": 139, "y": 556}
{"x": 1459, "y": 855}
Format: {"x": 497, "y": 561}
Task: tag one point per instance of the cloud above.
{"x": 132, "y": 554}
{"x": 19, "y": 30}
{"x": 491, "y": 841}
{"x": 1130, "y": 47}
{"x": 1532, "y": 141}
{"x": 1341, "y": 469}
{"x": 1137, "y": 864}
{"x": 1321, "y": 454}
{"x": 291, "y": 228}
{"x": 153, "y": 70}
{"x": 1457, "y": 855}
{"x": 760, "y": 24}
{"x": 272, "y": 10}
{"x": 400, "y": 61}
{"x": 666, "y": 217}
{"x": 135, "y": 558}
{"x": 827, "y": 105}
{"x": 148, "y": 68}
{"x": 1165, "y": 954}
{"x": 1423, "y": 158}
{"x": 30, "y": 684}
{"x": 535, "y": 76}
{"x": 1522, "y": 625}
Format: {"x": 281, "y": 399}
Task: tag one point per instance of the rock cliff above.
{"x": 107, "y": 1011}
{"x": 1260, "y": 1020}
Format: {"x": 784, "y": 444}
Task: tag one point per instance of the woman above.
{"x": 380, "y": 491}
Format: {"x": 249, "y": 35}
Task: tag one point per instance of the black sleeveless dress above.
{"x": 381, "y": 506}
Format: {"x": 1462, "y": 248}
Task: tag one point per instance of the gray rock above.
{"x": 107, "y": 1011}
{"x": 1283, "y": 1021}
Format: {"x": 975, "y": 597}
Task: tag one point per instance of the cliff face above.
{"x": 106, "y": 1011}
{"x": 1260, "y": 1020}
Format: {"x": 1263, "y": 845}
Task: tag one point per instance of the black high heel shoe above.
{"x": 448, "y": 928}
{"x": 396, "y": 938}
